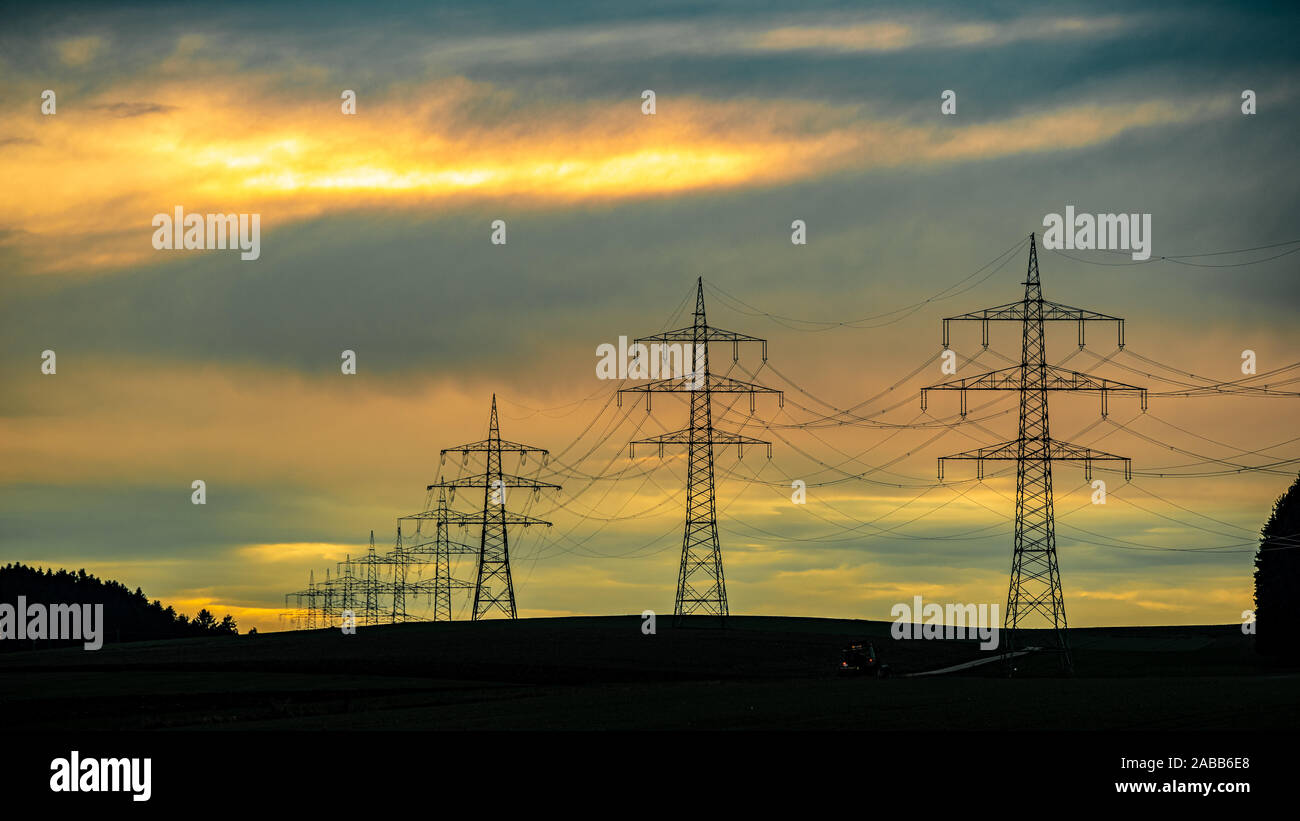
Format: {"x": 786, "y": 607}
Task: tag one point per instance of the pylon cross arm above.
{"x": 1041, "y": 310}
{"x": 1011, "y": 310}
{"x": 714, "y": 436}
{"x": 488, "y": 445}
{"x": 453, "y": 517}
{"x": 1057, "y": 311}
{"x": 1001, "y": 379}
{"x": 1056, "y": 450}
{"x": 690, "y": 383}
{"x": 490, "y": 480}
{"x": 1068, "y": 451}
{"x": 1015, "y": 311}
{"x": 432, "y": 548}
{"x": 1043, "y": 377}
{"x": 1060, "y": 379}
{"x": 1054, "y": 379}
{"x": 708, "y": 332}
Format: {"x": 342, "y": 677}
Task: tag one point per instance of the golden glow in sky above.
{"x": 232, "y": 150}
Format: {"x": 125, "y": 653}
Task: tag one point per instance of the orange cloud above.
{"x": 895, "y": 35}
{"x": 299, "y": 552}
{"x": 83, "y": 185}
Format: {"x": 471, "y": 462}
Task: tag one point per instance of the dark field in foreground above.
{"x": 603, "y": 673}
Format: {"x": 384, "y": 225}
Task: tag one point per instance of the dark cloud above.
{"x": 123, "y": 110}
{"x": 134, "y": 522}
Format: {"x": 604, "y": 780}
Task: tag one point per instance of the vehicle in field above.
{"x": 859, "y": 658}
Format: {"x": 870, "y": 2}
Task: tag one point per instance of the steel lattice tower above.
{"x": 441, "y": 563}
{"x": 701, "y": 584}
{"x": 313, "y": 601}
{"x": 348, "y": 586}
{"x": 399, "y": 561}
{"x": 493, "y": 587}
{"x": 327, "y": 599}
{"x": 370, "y": 610}
{"x": 318, "y": 604}
{"x": 1035, "y": 593}
{"x": 442, "y": 548}
{"x": 305, "y": 604}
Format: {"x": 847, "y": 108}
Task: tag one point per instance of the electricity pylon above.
{"x": 701, "y": 584}
{"x": 1035, "y": 588}
{"x": 399, "y": 560}
{"x": 370, "y": 586}
{"x": 347, "y": 586}
{"x": 494, "y": 588}
{"x": 442, "y": 548}
{"x": 327, "y": 599}
{"x": 308, "y": 603}
{"x": 313, "y": 601}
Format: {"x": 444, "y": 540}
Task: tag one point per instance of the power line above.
{"x": 1181, "y": 259}
{"x": 906, "y": 311}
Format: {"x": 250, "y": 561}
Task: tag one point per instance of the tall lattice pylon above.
{"x": 494, "y": 588}
{"x": 305, "y": 607}
{"x": 1034, "y": 596}
{"x": 399, "y": 562}
{"x": 328, "y": 599}
{"x": 442, "y": 580}
{"x": 371, "y": 587}
{"x": 347, "y": 586}
{"x": 442, "y": 548}
{"x": 313, "y": 601}
{"x": 701, "y": 583}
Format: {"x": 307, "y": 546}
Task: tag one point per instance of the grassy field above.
{"x": 603, "y": 673}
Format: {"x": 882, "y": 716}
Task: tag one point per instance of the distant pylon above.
{"x": 347, "y": 587}
{"x": 364, "y": 594}
{"x": 1035, "y": 587}
{"x": 442, "y": 548}
{"x": 399, "y": 579}
{"x": 370, "y": 610}
{"x": 701, "y": 583}
{"x": 313, "y": 597}
{"x": 494, "y": 588}
{"x": 438, "y": 589}
{"x": 442, "y": 580}
{"x": 303, "y": 614}
{"x": 327, "y": 600}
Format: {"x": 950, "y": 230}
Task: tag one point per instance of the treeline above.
{"x": 128, "y": 616}
{"x": 1277, "y": 579}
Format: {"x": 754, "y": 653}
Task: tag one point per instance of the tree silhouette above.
{"x": 128, "y": 616}
{"x": 1277, "y": 578}
{"x": 205, "y": 620}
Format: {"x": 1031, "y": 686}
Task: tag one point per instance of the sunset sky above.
{"x": 174, "y": 366}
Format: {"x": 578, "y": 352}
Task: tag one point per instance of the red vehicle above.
{"x": 859, "y": 658}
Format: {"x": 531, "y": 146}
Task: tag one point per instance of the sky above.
{"x": 181, "y": 365}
